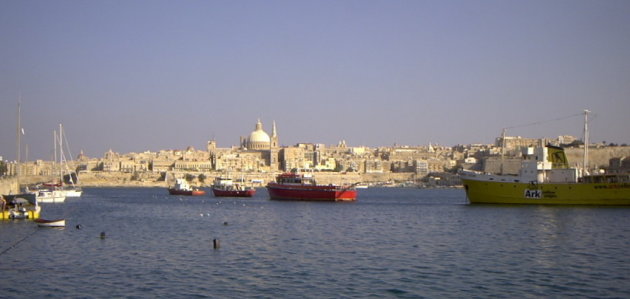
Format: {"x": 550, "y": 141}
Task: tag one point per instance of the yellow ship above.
{"x": 544, "y": 178}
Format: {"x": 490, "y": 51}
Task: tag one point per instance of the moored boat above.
{"x": 64, "y": 185}
{"x": 72, "y": 191}
{"x": 294, "y": 186}
{"x": 50, "y": 223}
{"x": 50, "y": 196}
{"x": 545, "y": 178}
{"x": 589, "y": 190}
{"x": 225, "y": 187}
{"x": 362, "y": 186}
{"x": 19, "y": 206}
{"x": 181, "y": 187}
{"x": 30, "y": 197}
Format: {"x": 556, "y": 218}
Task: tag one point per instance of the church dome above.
{"x": 258, "y": 139}
{"x": 259, "y": 136}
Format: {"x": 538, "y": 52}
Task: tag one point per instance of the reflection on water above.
{"x": 390, "y": 243}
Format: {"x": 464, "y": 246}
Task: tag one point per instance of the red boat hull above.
{"x": 186, "y": 193}
{"x": 233, "y": 193}
{"x": 310, "y": 192}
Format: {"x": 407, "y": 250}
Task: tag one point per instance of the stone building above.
{"x": 111, "y": 162}
{"x": 161, "y": 165}
{"x": 237, "y": 159}
{"x": 192, "y": 165}
{"x": 294, "y": 158}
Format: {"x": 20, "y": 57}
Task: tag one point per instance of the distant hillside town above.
{"x": 261, "y": 155}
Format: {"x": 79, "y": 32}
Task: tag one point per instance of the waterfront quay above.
{"x": 398, "y": 167}
{"x": 259, "y": 157}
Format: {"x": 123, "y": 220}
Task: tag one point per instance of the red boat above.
{"x": 294, "y": 186}
{"x": 182, "y": 188}
{"x": 224, "y": 187}
{"x": 233, "y": 193}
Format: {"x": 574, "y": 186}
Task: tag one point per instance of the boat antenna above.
{"x": 503, "y": 148}
{"x": 586, "y": 112}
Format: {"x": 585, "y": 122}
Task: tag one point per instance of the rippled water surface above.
{"x": 397, "y": 243}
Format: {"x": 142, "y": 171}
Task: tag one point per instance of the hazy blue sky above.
{"x": 150, "y": 75}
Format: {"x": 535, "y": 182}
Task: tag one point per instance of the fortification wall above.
{"x": 117, "y": 179}
{"x": 9, "y": 185}
{"x": 597, "y": 157}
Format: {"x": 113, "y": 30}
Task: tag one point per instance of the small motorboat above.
{"x": 19, "y": 207}
{"x": 50, "y": 223}
{"x": 182, "y": 188}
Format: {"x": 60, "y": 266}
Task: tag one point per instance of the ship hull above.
{"x": 489, "y": 192}
{"x": 233, "y": 193}
{"x": 29, "y": 214}
{"x": 50, "y": 223}
{"x": 186, "y": 192}
{"x": 310, "y": 193}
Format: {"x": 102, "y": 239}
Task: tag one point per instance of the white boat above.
{"x": 50, "y": 196}
{"x": 183, "y": 188}
{"x": 56, "y": 191}
{"x": 361, "y": 186}
{"x": 50, "y": 223}
{"x": 71, "y": 190}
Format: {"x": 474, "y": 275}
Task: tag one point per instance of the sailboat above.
{"x": 57, "y": 190}
{"x": 545, "y": 178}
{"x": 71, "y": 190}
{"x": 21, "y": 205}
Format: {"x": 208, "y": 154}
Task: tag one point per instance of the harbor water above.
{"x": 390, "y": 243}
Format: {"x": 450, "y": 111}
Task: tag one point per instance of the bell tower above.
{"x": 274, "y": 136}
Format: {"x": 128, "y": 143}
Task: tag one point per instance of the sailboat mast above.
{"x": 54, "y": 163}
{"x": 18, "y": 136}
{"x": 61, "y": 156}
{"x": 586, "y": 112}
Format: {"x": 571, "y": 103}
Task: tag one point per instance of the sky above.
{"x": 135, "y": 76}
